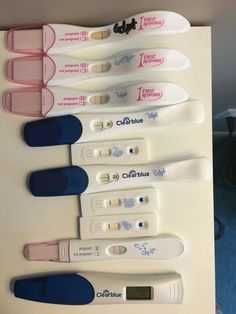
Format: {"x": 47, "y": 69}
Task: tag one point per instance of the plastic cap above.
{"x": 53, "y": 131}
{"x": 59, "y": 181}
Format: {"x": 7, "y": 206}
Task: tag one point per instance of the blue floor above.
{"x": 225, "y": 248}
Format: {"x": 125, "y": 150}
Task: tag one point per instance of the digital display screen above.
{"x": 138, "y": 293}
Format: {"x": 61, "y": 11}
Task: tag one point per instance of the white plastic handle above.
{"x": 107, "y": 125}
{"x": 62, "y": 70}
{"x": 113, "y": 288}
{"x": 63, "y": 38}
{"x": 71, "y": 101}
{"x": 104, "y": 178}
{"x": 163, "y": 247}
{"x": 55, "y": 101}
{"x": 60, "y": 38}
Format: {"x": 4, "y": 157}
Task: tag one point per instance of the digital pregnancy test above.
{"x": 62, "y": 70}
{"x": 75, "y": 250}
{"x": 125, "y": 152}
{"x": 71, "y": 129}
{"x": 100, "y": 288}
{"x": 61, "y": 38}
{"x": 119, "y": 202}
{"x": 56, "y": 101}
{"x": 92, "y": 178}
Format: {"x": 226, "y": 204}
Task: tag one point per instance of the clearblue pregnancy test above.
{"x": 100, "y": 288}
{"x": 75, "y": 250}
{"x": 56, "y": 101}
{"x": 89, "y": 179}
{"x": 71, "y": 129}
{"x": 62, "y": 38}
{"x": 63, "y": 70}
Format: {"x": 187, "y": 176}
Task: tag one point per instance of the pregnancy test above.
{"x": 72, "y": 129}
{"x": 119, "y": 202}
{"x": 89, "y": 179}
{"x": 75, "y": 250}
{"x": 101, "y": 288}
{"x": 123, "y": 152}
{"x": 119, "y": 226}
{"x": 56, "y": 101}
{"x": 60, "y": 70}
{"x": 62, "y": 38}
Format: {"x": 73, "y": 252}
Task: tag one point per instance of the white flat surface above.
{"x": 186, "y": 210}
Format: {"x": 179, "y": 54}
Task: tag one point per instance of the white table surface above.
{"x": 186, "y": 209}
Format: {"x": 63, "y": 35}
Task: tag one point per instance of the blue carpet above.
{"x": 225, "y": 248}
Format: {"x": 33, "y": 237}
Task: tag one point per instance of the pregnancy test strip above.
{"x": 56, "y": 101}
{"x": 75, "y": 250}
{"x": 125, "y": 152}
{"x": 90, "y": 179}
{"x": 72, "y": 129}
{"x": 62, "y": 38}
{"x": 120, "y": 202}
{"x": 61, "y": 70}
{"x": 100, "y": 288}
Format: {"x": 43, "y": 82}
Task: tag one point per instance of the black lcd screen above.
{"x": 138, "y": 293}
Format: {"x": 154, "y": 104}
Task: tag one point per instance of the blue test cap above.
{"x": 70, "y": 289}
{"x": 53, "y": 131}
{"x": 58, "y": 181}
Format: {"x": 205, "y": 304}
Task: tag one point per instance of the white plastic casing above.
{"x": 61, "y": 38}
{"x": 119, "y": 202}
{"x": 115, "y": 152}
{"x": 119, "y": 226}
{"x": 160, "y": 248}
{"x": 112, "y": 177}
{"x": 108, "y": 124}
{"x": 111, "y": 288}
{"x": 60, "y": 101}
{"x": 61, "y": 70}
{"x": 64, "y": 70}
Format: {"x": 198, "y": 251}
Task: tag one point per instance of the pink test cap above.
{"x": 32, "y": 102}
{"x": 34, "y": 70}
{"x": 30, "y": 39}
{"x": 57, "y": 251}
